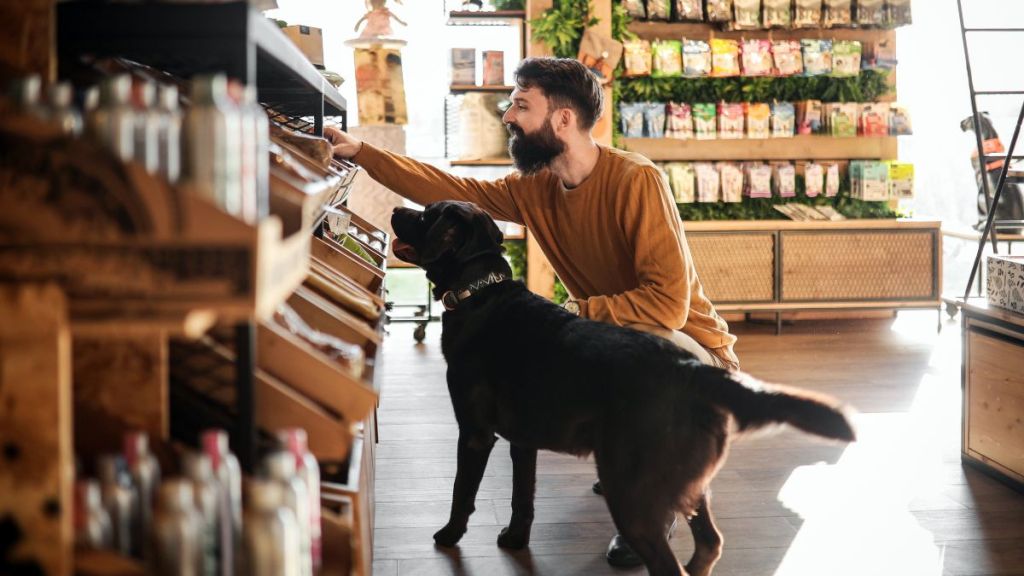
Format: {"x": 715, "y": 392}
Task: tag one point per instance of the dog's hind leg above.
{"x": 524, "y": 484}
{"x": 707, "y": 540}
{"x": 643, "y": 527}
{"x": 474, "y": 450}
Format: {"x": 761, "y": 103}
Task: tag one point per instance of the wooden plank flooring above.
{"x": 898, "y": 502}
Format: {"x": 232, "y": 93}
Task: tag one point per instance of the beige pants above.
{"x": 686, "y": 343}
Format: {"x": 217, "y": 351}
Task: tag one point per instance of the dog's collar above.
{"x": 452, "y": 298}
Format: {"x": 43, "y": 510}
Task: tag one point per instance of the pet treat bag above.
{"x": 637, "y": 57}
{"x": 783, "y": 120}
{"x": 632, "y": 118}
{"x": 846, "y": 56}
{"x": 817, "y": 56}
{"x": 696, "y": 59}
{"x": 682, "y": 181}
{"x": 777, "y": 14}
{"x": 705, "y": 121}
{"x": 807, "y": 14}
{"x": 809, "y": 117}
{"x": 654, "y": 118}
{"x": 668, "y": 58}
{"x": 832, "y": 181}
{"x": 784, "y": 177}
{"x": 897, "y": 13}
{"x": 758, "y": 121}
{"x": 730, "y": 121}
{"x": 757, "y": 58}
{"x": 679, "y": 121}
{"x": 725, "y": 58}
{"x": 843, "y": 120}
{"x": 746, "y": 14}
{"x": 758, "y": 180}
{"x": 899, "y": 121}
{"x": 689, "y": 10}
{"x": 719, "y": 10}
{"x": 814, "y": 179}
{"x": 874, "y": 119}
{"x": 659, "y": 9}
{"x": 870, "y": 13}
{"x": 788, "y": 58}
{"x": 837, "y": 13}
{"x": 707, "y": 182}
{"x": 636, "y": 9}
{"x": 731, "y": 176}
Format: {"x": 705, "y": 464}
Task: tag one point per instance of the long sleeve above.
{"x": 425, "y": 184}
{"x": 651, "y": 225}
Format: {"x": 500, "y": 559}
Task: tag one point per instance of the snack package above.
{"x": 809, "y": 117}
{"x": 874, "y": 119}
{"x": 817, "y": 56}
{"x": 654, "y": 118}
{"x": 880, "y": 55}
{"x": 757, "y": 58}
{"x": 758, "y": 121}
{"x": 746, "y": 14}
{"x": 837, "y": 13}
{"x": 682, "y": 181}
{"x": 678, "y": 121}
{"x": 719, "y": 10}
{"x": 696, "y": 59}
{"x": 788, "y": 58}
{"x": 899, "y": 121}
{"x": 784, "y": 180}
{"x": 870, "y": 13}
{"x": 707, "y": 182}
{"x": 730, "y": 121}
{"x": 901, "y": 180}
{"x": 705, "y": 121}
{"x": 832, "y": 180}
{"x": 758, "y": 180}
{"x": 668, "y": 58}
{"x": 777, "y": 14}
{"x": 814, "y": 179}
{"x": 846, "y": 58}
{"x": 637, "y": 58}
{"x": 897, "y": 13}
{"x": 783, "y": 120}
{"x": 659, "y": 9}
{"x": 689, "y": 10}
{"x": 869, "y": 180}
{"x": 632, "y": 118}
{"x": 725, "y": 58}
{"x": 636, "y": 9}
{"x": 731, "y": 175}
{"x": 843, "y": 119}
{"x": 807, "y": 14}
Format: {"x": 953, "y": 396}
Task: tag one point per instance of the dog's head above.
{"x": 444, "y": 239}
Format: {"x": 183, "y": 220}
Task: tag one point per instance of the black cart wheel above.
{"x": 421, "y": 332}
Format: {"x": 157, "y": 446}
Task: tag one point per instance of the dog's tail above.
{"x": 755, "y": 404}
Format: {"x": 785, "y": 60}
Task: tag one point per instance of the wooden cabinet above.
{"x": 993, "y": 391}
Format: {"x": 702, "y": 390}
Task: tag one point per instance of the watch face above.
{"x": 572, "y": 307}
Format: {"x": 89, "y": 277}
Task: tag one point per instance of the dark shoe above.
{"x": 621, "y": 555}
{"x": 598, "y": 489}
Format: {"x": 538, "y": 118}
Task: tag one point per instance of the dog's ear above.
{"x": 445, "y": 235}
{"x": 482, "y": 235}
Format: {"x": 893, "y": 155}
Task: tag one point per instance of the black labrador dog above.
{"x": 657, "y": 421}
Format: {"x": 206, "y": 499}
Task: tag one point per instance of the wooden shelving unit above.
{"x": 455, "y": 88}
{"x": 653, "y": 30}
{"x": 800, "y": 147}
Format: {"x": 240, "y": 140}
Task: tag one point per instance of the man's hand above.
{"x": 345, "y": 145}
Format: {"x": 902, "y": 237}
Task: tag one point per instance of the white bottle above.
{"x": 280, "y": 467}
{"x": 176, "y": 541}
{"x": 260, "y": 124}
{"x": 212, "y": 151}
{"x": 196, "y": 467}
{"x": 169, "y": 135}
{"x": 92, "y": 523}
{"x": 271, "y": 532}
{"x": 62, "y": 111}
{"x": 119, "y": 500}
{"x": 145, "y": 474}
{"x": 229, "y": 477}
{"x": 24, "y": 93}
{"x": 147, "y": 126}
{"x": 112, "y": 122}
{"x": 295, "y": 441}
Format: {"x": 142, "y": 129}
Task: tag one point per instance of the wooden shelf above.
{"x": 483, "y": 162}
{"x": 475, "y": 88}
{"x": 507, "y": 16}
{"x": 705, "y": 31}
{"x": 801, "y": 147}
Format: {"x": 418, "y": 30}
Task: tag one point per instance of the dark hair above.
{"x": 567, "y": 84}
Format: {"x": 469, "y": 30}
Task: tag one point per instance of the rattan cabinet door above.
{"x": 735, "y": 267}
{"x": 859, "y": 265}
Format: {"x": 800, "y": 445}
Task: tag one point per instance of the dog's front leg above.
{"x": 472, "y": 460}
{"x": 524, "y": 484}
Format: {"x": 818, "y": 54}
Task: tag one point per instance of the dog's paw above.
{"x": 514, "y": 538}
{"x": 449, "y": 535}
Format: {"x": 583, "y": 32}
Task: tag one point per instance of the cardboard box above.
{"x": 464, "y": 66}
{"x": 1006, "y": 282}
{"x": 309, "y": 40}
{"x": 494, "y": 68}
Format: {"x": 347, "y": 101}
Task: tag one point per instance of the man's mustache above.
{"x": 515, "y": 130}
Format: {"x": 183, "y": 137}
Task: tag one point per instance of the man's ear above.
{"x": 563, "y": 118}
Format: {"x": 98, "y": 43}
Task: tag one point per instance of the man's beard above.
{"x": 533, "y": 152}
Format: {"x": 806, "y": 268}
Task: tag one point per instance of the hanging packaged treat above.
{"x": 636, "y": 9}
{"x": 654, "y": 118}
{"x": 837, "y": 13}
{"x": 843, "y": 120}
{"x": 731, "y": 176}
{"x": 832, "y": 181}
{"x": 730, "y": 121}
{"x": 788, "y": 58}
{"x": 682, "y": 180}
{"x": 817, "y": 56}
{"x": 746, "y": 14}
{"x": 689, "y": 10}
{"x": 870, "y": 13}
{"x": 632, "y": 116}
{"x": 814, "y": 180}
{"x": 707, "y": 182}
{"x": 874, "y": 119}
{"x": 679, "y": 121}
{"x": 668, "y": 58}
{"x": 880, "y": 55}
{"x": 899, "y": 121}
{"x": 809, "y": 117}
{"x": 705, "y": 121}
{"x": 898, "y": 13}
{"x": 784, "y": 179}
{"x": 783, "y": 120}
{"x": 725, "y": 58}
{"x": 696, "y": 59}
{"x": 846, "y": 58}
{"x": 758, "y": 121}
{"x": 901, "y": 180}
{"x": 807, "y": 14}
{"x": 777, "y": 14}
{"x": 757, "y": 58}
{"x": 719, "y": 10}
{"x": 637, "y": 57}
{"x": 758, "y": 179}
{"x": 870, "y": 181}
{"x": 659, "y": 9}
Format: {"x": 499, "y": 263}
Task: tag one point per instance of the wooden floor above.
{"x": 897, "y": 502}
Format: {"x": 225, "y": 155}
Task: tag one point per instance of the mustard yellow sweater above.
{"x": 616, "y": 240}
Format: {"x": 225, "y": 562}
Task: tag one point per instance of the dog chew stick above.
{"x": 352, "y": 302}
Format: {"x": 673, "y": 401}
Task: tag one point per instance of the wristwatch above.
{"x": 572, "y": 306}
